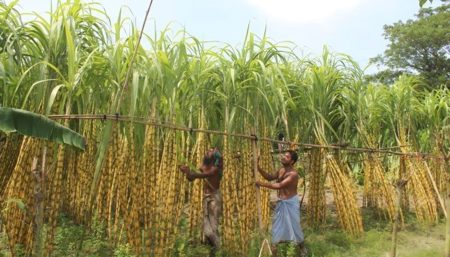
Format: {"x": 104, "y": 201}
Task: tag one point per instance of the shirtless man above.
{"x": 286, "y": 220}
{"x": 211, "y": 171}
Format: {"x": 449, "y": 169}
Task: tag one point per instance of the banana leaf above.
{"x": 36, "y": 125}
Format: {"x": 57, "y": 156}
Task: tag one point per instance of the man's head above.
{"x": 289, "y": 157}
{"x": 213, "y": 157}
{"x": 208, "y": 159}
{"x": 210, "y": 156}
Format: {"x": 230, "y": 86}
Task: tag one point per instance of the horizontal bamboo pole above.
{"x": 156, "y": 123}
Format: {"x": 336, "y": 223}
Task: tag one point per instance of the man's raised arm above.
{"x": 204, "y": 174}
{"x": 279, "y": 185}
{"x": 267, "y": 175}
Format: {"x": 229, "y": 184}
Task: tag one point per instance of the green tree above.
{"x": 418, "y": 46}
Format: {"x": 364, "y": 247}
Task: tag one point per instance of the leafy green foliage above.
{"x": 68, "y": 236}
{"x": 185, "y": 246}
{"x": 418, "y": 46}
{"x": 14, "y": 201}
{"x": 76, "y": 63}
{"x": 123, "y": 251}
{"x": 422, "y": 2}
{"x": 36, "y": 125}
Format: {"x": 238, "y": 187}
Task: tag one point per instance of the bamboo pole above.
{"x": 155, "y": 123}
{"x": 447, "y": 228}
{"x": 36, "y": 248}
{"x": 255, "y": 172}
{"x": 39, "y": 192}
{"x": 441, "y": 202}
{"x": 265, "y": 245}
{"x": 399, "y": 186}
{"x": 133, "y": 57}
{"x": 446, "y": 157}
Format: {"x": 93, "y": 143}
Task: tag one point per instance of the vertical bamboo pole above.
{"x": 400, "y": 187}
{"x": 446, "y": 157}
{"x": 36, "y": 249}
{"x": 39, "y": 192}
{"x": 447, "y": 204}
{"x": 447, "y": 227}
{"x": 441, "y": 202}
{"x": 255, "y": 172}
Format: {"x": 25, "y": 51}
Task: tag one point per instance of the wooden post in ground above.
{"x": 255, "y": 173}
{"x": 447, "y": 203}
{"x": 39, "y": 194}
{"x": 447, "y": 226}
{"x": 267, "y": 246}
{"x": 35, "y": 252}
{"x": 39, "y": 207}
{"x": 399, "y": 187}
{"x": 433, "y": 182}
{"x": 446, "y": 156}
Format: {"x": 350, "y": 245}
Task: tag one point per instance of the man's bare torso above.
{"x": 291, "y": 189}
{"x": 212, "y": 184}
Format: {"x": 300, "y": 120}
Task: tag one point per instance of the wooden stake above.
{"x": 441, "y": 202}
{"x": 265, "y": 243}
{"x": 255, "y": 172}
{"x": 399, "y": 186}
{"x": 39, "y": 204}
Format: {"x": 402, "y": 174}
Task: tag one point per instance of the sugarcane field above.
{"x": 191, "y": 128}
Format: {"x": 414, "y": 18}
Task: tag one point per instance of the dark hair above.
{"x": 208, "y": 160}
{"x": 294, "y": 155}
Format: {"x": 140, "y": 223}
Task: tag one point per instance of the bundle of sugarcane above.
{"x": 111, "y": 163}
{"x": 437, "y": 168}
{"x": 247, "y": 211}
{"x": 196, "y": 189}
{"x": 54, "y": 195}
{"x": 164, "y": 171}
{"x": 230, "y": 224}
{"x": 9, "y": 152}
{"x": 437, "y": 193}
{"x": 419, "y": 186}
{"x": 316, "y": 210}
{"x": 182, "y": 188}
{"x": 170, "y": 199}
{"x": 107, "y": 180}
{"x": 151, "y": 165}
{"x": 132, "y": 216}
{"x": 84, "y": 172}
{"x": 378, "y": 192}
{"x": 115, "y": 164}
{"x": 120, "y": 189}
{"x": 174, "y": 200}
{"x": 18, "y": 197}
{"x": 344, "y": 198}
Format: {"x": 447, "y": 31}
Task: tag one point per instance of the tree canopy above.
{"x": 419, "y": 46}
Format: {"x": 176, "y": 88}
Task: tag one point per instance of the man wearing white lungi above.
{"x": 286, "y": 220}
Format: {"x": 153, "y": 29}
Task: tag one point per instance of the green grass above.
{"x": 414, "y": 240}
{"x": 426, "y": 241}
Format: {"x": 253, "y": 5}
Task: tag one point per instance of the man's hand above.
{"x": 259, "y": 184}
{"x": 185, "y": 169}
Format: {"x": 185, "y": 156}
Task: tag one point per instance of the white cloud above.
{"x": 305, "y": 11}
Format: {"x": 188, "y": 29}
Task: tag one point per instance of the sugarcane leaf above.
{"x": 14, "y": 202}
{"x": 2, "y": 70}
{"x": 36, "y": 125}
{"x": 422, "y": 2}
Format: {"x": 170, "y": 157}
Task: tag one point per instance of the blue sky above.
{"x": 353, "y": 27}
